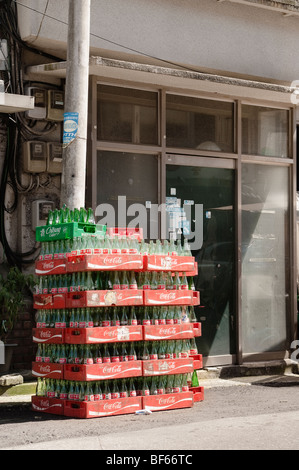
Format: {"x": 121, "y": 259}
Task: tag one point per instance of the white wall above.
{"x": 211, "y": 35}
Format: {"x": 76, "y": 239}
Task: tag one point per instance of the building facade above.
{"x": 191, "y": 105}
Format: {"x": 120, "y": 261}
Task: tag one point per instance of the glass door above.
{"x": 204, "y": 188}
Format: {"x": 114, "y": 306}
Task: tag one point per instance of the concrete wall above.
{"x": 207, "y": 34}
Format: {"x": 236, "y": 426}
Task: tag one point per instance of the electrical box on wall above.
{"x": 40, "y": 103}
{"x": 40, "y": 211}
{"x": 55, "y": 105}
{"x": 34, "y": 157}
{"x": 54, "y": 157}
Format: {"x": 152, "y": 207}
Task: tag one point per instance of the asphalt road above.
{"x": 235, "y": 415}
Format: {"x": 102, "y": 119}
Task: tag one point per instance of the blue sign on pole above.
{"x": 70, "y": 127}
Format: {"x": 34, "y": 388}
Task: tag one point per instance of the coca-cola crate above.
{"x": 169, "y": 263}
{"x": 53, "y": 266}
{"x": 167, "y": 366}
{"x": 66, "y": 231}
{"x": 196, "y": 329}
{"x": 161, "y": 332}
{"x": 169, "y": 401}
{"x": 102, "y": 262}
{"x": 198, "y": 393}
{"x": 47, "y": 405}
{"x": 49, "y": 301}
{"x": 103, "y": 334}
{"x": 170, "y": 297}
{"x": 194, "y": 272}
{"x": 130, "y": 232}
{"x": 48, "y": 335}
{"x": 112, "y": 370}
{"x": 197, "y": 361}
{"x": 103, "y": 298}
{"x": 102, "y": 408}
{"x": 48, "y": 370}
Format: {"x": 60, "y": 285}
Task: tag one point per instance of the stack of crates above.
{"x": 107, "y": 348}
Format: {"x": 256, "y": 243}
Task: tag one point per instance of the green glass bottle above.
{"x": 83, "y": 215}
{"x": 90, "y": 219}
{"x": 50, "y": 218}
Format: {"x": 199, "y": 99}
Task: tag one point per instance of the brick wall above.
{"x": 24, "y": 353}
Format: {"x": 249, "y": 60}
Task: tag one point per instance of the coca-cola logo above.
{"x": 45, "y": 403}
{"x": 112, "y": 369}
{"x": 112, "y": 406}
{"x": 166, "y": 401}
{"x": 168, "y": 262}
{"x": 45, "y": 334}
{"x": 110, "y": 333}
{"x": 168, "y": 296}
{"x": 45, "y": 369}
{"x": 48, "y": 265}
{"x": 112, "y": 260}
{"x": 168, "y": 331}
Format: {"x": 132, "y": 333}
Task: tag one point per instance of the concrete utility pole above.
{"x": 76, "y": 101}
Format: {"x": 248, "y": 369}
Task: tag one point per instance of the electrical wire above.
{"x": 17, "y": 128}
{"x": 110, "y": 41}
{"x": 23, "y": 128}
{"x": 14, "y": 258}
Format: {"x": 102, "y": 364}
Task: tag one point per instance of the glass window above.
{"x": 199, "y": 124}
{"x": 265, "y": 258}
{"x": 265, "y": 131}
{"x": 213, "y": 188}
{"x": 127, "y": 115}
{"x": 127, "y": 184}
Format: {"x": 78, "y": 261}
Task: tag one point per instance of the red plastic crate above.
{"x": 47, "y": 405}
{"x": 48, "y": 370}
{"x": 169, "y": 263}
{"x": 198, "y": 393}
{"x": 112, "y": 370}
{"x": 53, "y": 266}
{"x": 167, "y": 366}
{"x": 197, "y": 361}
{"x": 102, "y": 408}
{"x": 111, "y": 262}
{"x": 197, "y": 329}
{"x": 171, "y": 297}
{"x": 130, "y": 232}
{"x": 103, "y": 298}
{"x": 102, "y": 334}
{"x": 169, "y": 401}
{"x": 48, "y": 335}
{"x": 49, "y": 301}
{"x": 160, "y": 332}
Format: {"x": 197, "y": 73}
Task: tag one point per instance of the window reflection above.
{"x": 199, "y": 124}
{"x": 127, "y": 115}
{"x": 265, "y": 263}
{"x": 132, "y": 176}
{"x": 264, "y": 131}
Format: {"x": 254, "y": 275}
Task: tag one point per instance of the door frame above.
{"x": 226, "y": 163}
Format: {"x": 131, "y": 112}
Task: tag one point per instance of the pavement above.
{"x": 17, "y": 387}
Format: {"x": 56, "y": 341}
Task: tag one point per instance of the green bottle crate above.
{"x": 67, "y": 231}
